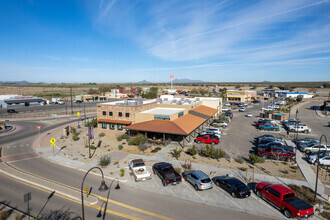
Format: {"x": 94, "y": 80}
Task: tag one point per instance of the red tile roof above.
{"x": 189, "y": 122}
{"x": 205, "y": 110}
{"x": 160, "y": 126}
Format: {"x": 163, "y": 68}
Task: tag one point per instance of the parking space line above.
{"x": 189, "y": 186}
{"x": 216, "y": 187}
{"x": 264, "y": 203}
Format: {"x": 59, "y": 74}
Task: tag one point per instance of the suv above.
{"x": 207, "y": 139}
{"x": 198, "y": 179}
{"x": 215, "y": 130}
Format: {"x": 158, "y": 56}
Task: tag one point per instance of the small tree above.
{"x": 192, "y": 151}
{"x": 142, "y": 147}
{"x": 104, "y": 161}
{"x": 176, "y": 153}
{"x": 75, "y": 137}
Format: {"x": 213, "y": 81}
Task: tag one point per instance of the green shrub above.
{"x": 121, "y": 137}
{"x": 120, "y": 147}
{"x": 158, "y": 148}
{"x": 73, "y": 130}
{"x": 138, "y": 139}
{"x": 194, "y": 157}
{"x": 192, "y": 151}
{"x": 256, "y": 159}
{"x": 239, "y": 160}
{"x": 176, "y": 153}
{"x": 92, "y": 123}
{"x": 92, "y": 147}
{"x": 209, "y": 151}
{"x": 154, "y": 150}
{"x": 104, "y": 161}
{"x": 243, "y": 169}
{"x": 122, "y": 172}
{"x": 101, "y": 134}
{"x": 75, "y": 137}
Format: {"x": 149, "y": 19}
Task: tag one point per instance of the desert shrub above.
{"x": 192, "y": 151}
{"x": 101, "y": 134}
{"x": 121, "y": 137}
{"x": 122, "y": 172}
{"x": 244, "y": 169}
{"x": 156, "y": 150}
{"x": 299, "y": 99}
{"x": 256, "y": 159}
{"x": 92, "y": 123}
{"x": 305, "y": 194}
{"x": 176, "y": 153}
{"x": 104, "y": 161}
{"x": 120, "y": 147}
{"x": 75, "y": 137}
{"x": 239, "y": 160}
{"x": 142, "y": 147}
{"x": 92, "y": 147}
{"x": 138, "y": 139}
{"x": 73, "y": 130}
{"x": 210, "y": 151}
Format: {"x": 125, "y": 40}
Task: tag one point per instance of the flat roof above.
{"x": 127, "y": 102}
{"x": 163, "y": 111}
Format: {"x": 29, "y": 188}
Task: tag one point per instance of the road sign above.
{"x": 53, "y": 141}
{"x": 27, "y": 197}
{"x": 78, "y": 113}
{"x": 53, "y": 144}
{"x": 39, "y": 127}
{"x": 86, "y": 190}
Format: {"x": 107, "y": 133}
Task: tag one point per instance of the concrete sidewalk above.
{"x": 308, "y": 173}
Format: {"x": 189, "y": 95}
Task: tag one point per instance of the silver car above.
{"x": 198, "y": 179}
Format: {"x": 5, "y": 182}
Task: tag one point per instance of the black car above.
{"x": 276, "y": 144}
{"x": 166, "y": 173}
{"x": 79, "y": 101}
{"x": 232, "y": 185}
{"x": 12, "y": 111}
{"x": 268, "y": 136}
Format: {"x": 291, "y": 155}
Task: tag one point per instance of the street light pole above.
{"x": 106, "y": 204}
{"x": 318, "y": 164}
{"x": 296, "y": 137}
{"x": 103, "y": 187}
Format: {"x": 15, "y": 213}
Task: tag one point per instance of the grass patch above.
{"x": 102, "y": 134}
{"x": 243, "y": 169}
{"x": 256, "y": 159}
{"x": 239, "y": 160}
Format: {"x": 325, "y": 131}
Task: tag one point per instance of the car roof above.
{"x": 200, "y": 174}
{"x": 137, "y": 161}
{"x": 281, "y": 189}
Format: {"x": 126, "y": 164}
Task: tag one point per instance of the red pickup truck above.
{"x": 284, "y": 199}
{"x": 207, "y": 139}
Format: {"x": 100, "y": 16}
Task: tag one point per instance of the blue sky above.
{"x": 127, "y": 41}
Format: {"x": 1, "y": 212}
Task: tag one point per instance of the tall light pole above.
{"x": 296, "y": 137}
{"x": 318, "y": 164}
{"x": 106, "y": 204}
{"x": 103, "y": 187}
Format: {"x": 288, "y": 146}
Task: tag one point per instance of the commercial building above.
{"x": 165, "y": 118}
{"x": 14, "y": 101}
{"x": 241, "y": 96}
{"x": 294, "y": 95}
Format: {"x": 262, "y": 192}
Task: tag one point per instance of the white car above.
{"x": 225, "y": 109}
{"x": 210, "y": 133}
{"x": 242, "y": 110}
{"x": 249, "y": 114}
{"x": 139, "y": 170}
{"x": 316, "y": 148}
{"x": 215, "y": 130}
{"x": 220, "y": 124}
{"x": 227, "y": 104}
{"x": 324, "y": 161}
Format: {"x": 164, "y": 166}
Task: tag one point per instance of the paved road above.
{"x": 144, "y": 200}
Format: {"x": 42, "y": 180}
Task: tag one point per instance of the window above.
{"x": 120, "y": 127}
{"x": 180, "y": 114}
{"x": 120, "y": 114}
{"x": 112, "y": 126}
{"x": 162, "y": 117}
{"x": 127, "y": 114}
{"x": 104, "y": 113}
{"x": 104, "y": 125}
{"x": 110, "y": 114}
{"x": 274, "y": 192}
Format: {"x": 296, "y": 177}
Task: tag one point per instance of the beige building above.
{"x": 241, "y": 96}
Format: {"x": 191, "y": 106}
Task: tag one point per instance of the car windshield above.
{"x": 206, "y": 180}
{"x": 138, "y": 164}
{"x": 288, "y": 196}
{"x": 168, "y": 169}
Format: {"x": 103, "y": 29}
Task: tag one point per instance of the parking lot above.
{"x": 215, "y": 196}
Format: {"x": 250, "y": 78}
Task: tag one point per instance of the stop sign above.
{"x": 38, "y": 127}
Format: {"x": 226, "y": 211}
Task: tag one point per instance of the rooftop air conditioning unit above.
{"x": 165, "y": 99}
{"x": 179, "y": 103}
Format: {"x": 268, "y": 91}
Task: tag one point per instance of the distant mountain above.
{"x": 185, "y": 80}
{"x": 144, "y": 82}
{"x": 14, "y": 82}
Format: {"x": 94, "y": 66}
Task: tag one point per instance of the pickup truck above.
{"x": 269, "y": 127}
{"x": 299, "y": 128}
{"x": 139, "y": 170}
{"x": 207, "y": 139}
{"x": 166, "y": 173}
{"x": 284, "y": 199}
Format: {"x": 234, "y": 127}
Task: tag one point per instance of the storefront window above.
{"x": 120, "y": 127}
{"x": 112, "y": 126}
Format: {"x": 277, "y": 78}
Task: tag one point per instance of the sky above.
{"x": 118, "y": 41}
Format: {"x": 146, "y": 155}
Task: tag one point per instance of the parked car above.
{"x": 207, "y": 139}
{"x": 256, "y": 101}
{"x": 78, "y": 101}
{"x": 166, "y": 173}
{"x": 211, "y": 133}
{"x": 249, "y": 114}
{"x": 233, "y": 186}
{"x": 324, "y": 161}
{"x": 280, "y": 144}
{"x": 228, "y": 104}
{"x": 10, "y": 111}
{"x": 215, "y": 130}
{"x": 225, "y": 109}
{"x": 219, "y": 124}
{"x": 315, "y": 148}
{"x": 269, "y": 127}
{"x": 262, "y": 121}
{"x": 198, "y": 179}
{"x": 304, "y": 140}
{"x": 266, "y": 140}
{"x": 276, "y": 153}
{"x": 302, "y": 145}
{"x": 242, "y": 109}
{"x": 230, "y": 114}
{"x": 139, "y": 170}
{"x": 313, "y": 156}
{"x": 268, "y": 136}
{"x": 284, "y": 199}
{"x": 299, "y": 128}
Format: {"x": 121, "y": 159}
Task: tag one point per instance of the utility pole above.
{"x": 66, "y": 106}
{"x": 85, "y": 112}
{"x": 71, "y": 101}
